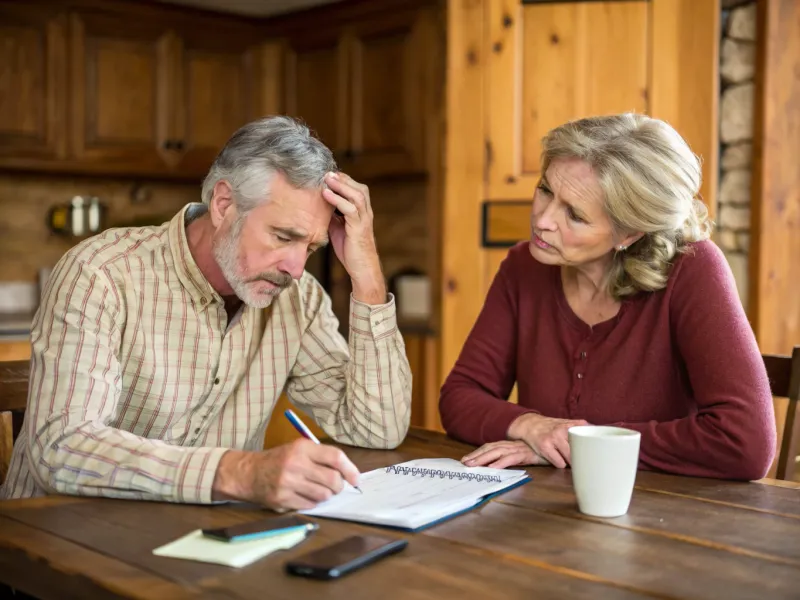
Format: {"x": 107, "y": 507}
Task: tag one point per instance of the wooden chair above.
{"x": 13, "y": 398}
{"x": 784, "y": 381}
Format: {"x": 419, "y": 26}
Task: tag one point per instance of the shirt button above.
{"x": 580, "y": 375}
{"x": 216, "y": 381}
{"x": 197, "y": 430}
{"x": 203, "y": 300}
{"x": 583, "y": 355}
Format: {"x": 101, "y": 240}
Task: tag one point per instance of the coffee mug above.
{"x": 604, "y": 462}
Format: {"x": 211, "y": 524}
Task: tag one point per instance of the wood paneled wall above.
{"x": 775, "y": 235}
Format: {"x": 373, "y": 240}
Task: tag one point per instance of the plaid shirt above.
{"x": 139, "y": 384}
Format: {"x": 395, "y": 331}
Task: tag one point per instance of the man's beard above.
{"x": 226, "y": 253}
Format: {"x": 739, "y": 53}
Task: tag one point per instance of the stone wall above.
{"x": 737, "y": 70}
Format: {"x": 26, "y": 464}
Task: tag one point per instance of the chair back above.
{"x": 13, "y": 399}
{"x": 784, "y": 382}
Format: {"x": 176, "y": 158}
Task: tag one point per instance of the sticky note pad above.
{"x": 195, "y": 546}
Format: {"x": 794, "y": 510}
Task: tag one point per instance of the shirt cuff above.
{"x": 195, "y": 475}
{"x": 373, "y": 320}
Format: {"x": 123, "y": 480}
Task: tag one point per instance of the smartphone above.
{"x": 259, "y": 529}
{"x": 345, "y": 556}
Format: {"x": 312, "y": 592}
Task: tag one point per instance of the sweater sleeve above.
{"x": 473, "y": 402}
{"x": 732, "y": 434}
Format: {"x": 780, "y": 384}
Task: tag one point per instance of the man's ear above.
{"x": 221, "y": 202}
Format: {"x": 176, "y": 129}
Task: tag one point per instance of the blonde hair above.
{"x": 650, "y": 180}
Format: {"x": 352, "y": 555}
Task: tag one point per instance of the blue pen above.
{"x": 304, "y": 431}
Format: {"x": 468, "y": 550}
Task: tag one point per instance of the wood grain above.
{"x": 551, "y": 63}
{"x": 684, "y": 79}
{"x": 774, "y": 309}
{"x": 462, "y": 259}
{"x": 529, "y": 542}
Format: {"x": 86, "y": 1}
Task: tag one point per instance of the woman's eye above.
{"x": 544, "y": 189}
{"x": 572, "y": 215}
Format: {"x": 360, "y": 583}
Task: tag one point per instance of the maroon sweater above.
{"x": 680, "y": 365}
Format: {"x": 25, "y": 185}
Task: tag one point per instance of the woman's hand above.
{"x": 500, "y": 455}
{"x": 546, "y": 436}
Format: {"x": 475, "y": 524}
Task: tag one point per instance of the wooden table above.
{"x": 682, "y": 538}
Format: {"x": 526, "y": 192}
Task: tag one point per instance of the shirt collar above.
{"x": 189, "y": 274}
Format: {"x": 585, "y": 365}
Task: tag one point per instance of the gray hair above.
{"x": 650, "y": 180}
{"x": 258, "y": 150}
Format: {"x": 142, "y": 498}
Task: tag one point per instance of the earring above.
{"x": 621, "y": 248}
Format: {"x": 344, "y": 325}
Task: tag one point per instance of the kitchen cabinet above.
{"x": 366, "y": 88}
{"x": 126, "y": 91}
{"x": 155, "y": 99}
{"x": 32, "y": 78}
{"x": 122, "y": 93}
{"x": 550, "y": 63}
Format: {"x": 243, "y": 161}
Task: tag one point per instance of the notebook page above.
{"x": 416, "y": 492}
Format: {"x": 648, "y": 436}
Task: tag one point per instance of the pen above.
{"x": 305, "y": 431}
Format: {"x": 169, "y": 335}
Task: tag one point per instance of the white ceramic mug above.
{"x": 604, "y": 462}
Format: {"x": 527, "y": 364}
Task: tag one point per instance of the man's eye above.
{"x": 283, "y": 238}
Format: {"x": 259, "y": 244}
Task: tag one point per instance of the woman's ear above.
{"x": 221, "y": 202}
{"x": 628, "y": 241}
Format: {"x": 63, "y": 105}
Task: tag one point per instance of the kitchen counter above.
{"x": 15, "y": 326}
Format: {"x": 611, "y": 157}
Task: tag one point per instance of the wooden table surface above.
{"x": 682, "y": 538}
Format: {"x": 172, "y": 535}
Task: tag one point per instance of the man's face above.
{"x": 259, "y": 254}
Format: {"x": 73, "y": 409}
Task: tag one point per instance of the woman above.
{"x": 618, "y": 311}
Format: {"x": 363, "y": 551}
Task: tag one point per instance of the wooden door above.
{"x": 32, "y": 80}
{"x": 121, "y": 94}
{"x": 217, "y": 90}
{"x": 388, "y": 93}
{"x": 550, "y": 63}
{"x": 316, "y": 71}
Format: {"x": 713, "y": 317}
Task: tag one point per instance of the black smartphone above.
{"x": 253, "y": 530}
{"x": 344, "y": 557}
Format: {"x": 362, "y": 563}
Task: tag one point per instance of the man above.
{"x": 158, "y": 353}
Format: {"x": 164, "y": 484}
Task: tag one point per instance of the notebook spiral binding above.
{"x": 418, "y": 471}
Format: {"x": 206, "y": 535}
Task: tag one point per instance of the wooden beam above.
{"x": 462, "y": 262}
{"x": 775, "y": 236}
{"x": 684, "y": 78}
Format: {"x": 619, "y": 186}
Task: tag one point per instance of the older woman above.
{"x": 619, "y": 310}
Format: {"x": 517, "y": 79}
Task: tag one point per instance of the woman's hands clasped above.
{"x": 533, "y": 440}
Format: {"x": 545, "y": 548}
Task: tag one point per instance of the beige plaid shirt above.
{"x": 139, "y": 385}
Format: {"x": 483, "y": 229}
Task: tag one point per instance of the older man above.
{"x": 158, "y": 353}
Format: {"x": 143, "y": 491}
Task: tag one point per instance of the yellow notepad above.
{"x": 195, "y": 546}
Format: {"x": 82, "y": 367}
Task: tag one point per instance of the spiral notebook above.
{"x": 419, "y": 493}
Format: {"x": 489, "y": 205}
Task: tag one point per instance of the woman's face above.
{"x": 569, "y": 225}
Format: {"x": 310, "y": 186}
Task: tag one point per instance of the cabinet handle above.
{"x": 173, "y": 145}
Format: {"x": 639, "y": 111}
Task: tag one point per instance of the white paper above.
{"x": 399, "y": 497}
{"x": 195, "y": 546}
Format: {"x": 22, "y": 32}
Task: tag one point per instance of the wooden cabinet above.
{"x": 217, "y": 92}
{"x": 122, "y": 93}
{"x": 156, "y": 100}
{"x": 125, "y": 91}
{"x": 366, "y": 89}
{"x": 550, "y": 63}
{"x": 316, "y": 74}
{"x": 32, "y": 80}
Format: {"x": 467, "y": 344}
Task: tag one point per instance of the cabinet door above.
{"x": 316, "y": 86}
{"x": 550, "y": 63}
{"x": 121, "y": 97}
{"x": 217, "y": 89}
{"x": 32, "y": 80}
{"x": 390, "y": 59}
